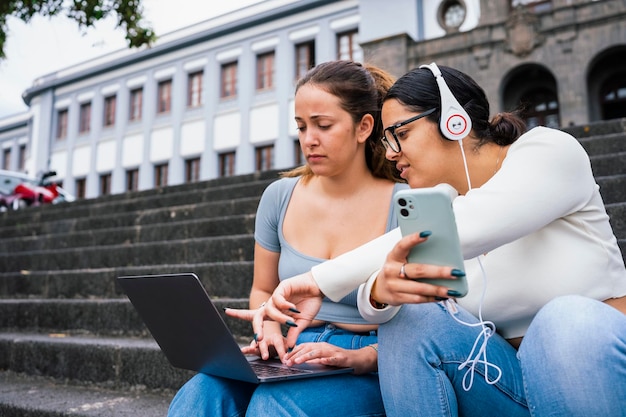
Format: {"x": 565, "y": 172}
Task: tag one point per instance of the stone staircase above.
{"x": 605, "y": 142}
{"x": 70, "y": 342}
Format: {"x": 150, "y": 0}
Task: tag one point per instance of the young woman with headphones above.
{"x": 543, "y": 267}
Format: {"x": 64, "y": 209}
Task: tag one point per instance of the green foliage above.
{"x": 85, "y": 12}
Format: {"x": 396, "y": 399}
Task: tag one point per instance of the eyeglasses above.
{"x": 395, "y": 144}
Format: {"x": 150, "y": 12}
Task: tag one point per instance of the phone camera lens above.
{"x": 402, "y": 202}
{"x": 404, "y": 212}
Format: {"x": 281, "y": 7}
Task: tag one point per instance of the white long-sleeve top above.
{"x": 541, "y": 223}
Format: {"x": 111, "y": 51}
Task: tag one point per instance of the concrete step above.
{"x": 107, "y": 318}
{"x": 32, "y": 396}
{"x": 613, "y": 187}
{"x": 606, "y": 144}
{"x": 222, "y": 185}
{"x": 188, "y": 251}
{"x": 41, "y": 225}
{"x": 115, "y": 363}
{"x": 221, "y": 279}
{"x": 172, "y": 230}
{"x": 134, "y": 202}
{"x": 609, "y": 164}
{"x": 99, "y": 317}
{"x": 600, "y": 128}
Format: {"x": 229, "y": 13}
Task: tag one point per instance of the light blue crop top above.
{"x": 269, "y": 234}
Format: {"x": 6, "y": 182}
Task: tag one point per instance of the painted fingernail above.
{"x": 426, "y": 233}
{"x": 291, "y": 324}
{"x": 290, "y": 349}
{"x": 293, "y": 310}
{"x": 457, "y": 273}
{"x": 453, "y": 293}
{"x": 255, "y": 337}
{"x": 441, "y": 298}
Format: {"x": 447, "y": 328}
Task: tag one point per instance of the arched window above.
{"x": 606, "y": 83}
{"x": 541, "y": 108}
{"x": 532, "y": 89}
{"x": 613, "y": 97}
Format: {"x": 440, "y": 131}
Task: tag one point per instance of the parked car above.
{"x": 20, "y": 190}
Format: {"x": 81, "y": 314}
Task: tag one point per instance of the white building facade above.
{"x": 210, "y": 100}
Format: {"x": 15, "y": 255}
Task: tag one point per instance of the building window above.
{"x": 265, "y": 71}
{"x": 81, "y": 187}
{"x": 160, "y": 175}
{"x": 62, "y": 124}
{"x": 541, "y": 108}
{"x": 264, "y": 158}
{"x": 132, "y": 179}
{"x": 229, "y": 80}
{"x": 226, "y": 164}
{"x": 194, "y": 89}
{"x": 109, "y": 110}
{"x": 348, "y": 46}
{"x": 452, "y": 14}
{"x": 6, "y": 159}
{"x": 613, "y": 97}
{"x": 298, "y": 156}
{"x": 192, "y": 170}
{"x": 105, "y": 184}
{"x": 164, "y": 93}
{"x": 85, "y": 118}
{"x": 21, "y": 158}
{"x": 136, "y": 98}
{"x": 305, "y": 58}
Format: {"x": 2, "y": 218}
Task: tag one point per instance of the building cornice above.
{"x": 203, "y": 32}
{"x": 15, "y": 121}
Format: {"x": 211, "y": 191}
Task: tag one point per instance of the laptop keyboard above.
{"x": 266, "y": 370}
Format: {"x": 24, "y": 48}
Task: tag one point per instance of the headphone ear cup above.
{"x": 454, "y": 122}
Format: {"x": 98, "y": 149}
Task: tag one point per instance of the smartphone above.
{"x": 421, "y": 209}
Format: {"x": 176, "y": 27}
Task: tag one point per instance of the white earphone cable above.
{"x": 467, "y": 176}
{"x": 478, "y": 354}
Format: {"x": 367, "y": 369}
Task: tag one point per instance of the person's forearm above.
{"x": 258, "y": 297}
{"x": 337, "y": 277}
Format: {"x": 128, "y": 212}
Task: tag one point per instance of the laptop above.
{"x": 193, "y": 335}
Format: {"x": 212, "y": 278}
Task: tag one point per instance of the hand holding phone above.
{"x": 421, "y": 209}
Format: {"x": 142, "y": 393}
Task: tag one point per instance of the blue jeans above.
{"x": 337, "y": 395}
{"x": 572, "y": 362}
{"x": 574, "y": 359}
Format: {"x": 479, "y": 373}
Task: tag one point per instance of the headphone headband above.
{"x": 454, "y": 122}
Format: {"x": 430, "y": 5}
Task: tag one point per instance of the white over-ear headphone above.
{"x": 454, "y": 122}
